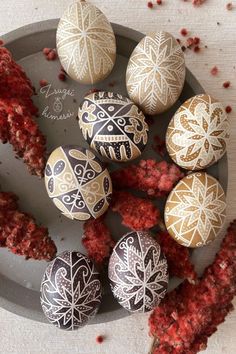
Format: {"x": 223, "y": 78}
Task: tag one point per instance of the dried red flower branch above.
{"x": 17, "y": 125}
{"x": 155, "y": 178}
{"x": 178, "y": 257}
{"x": 19, "y": 232}
{"x": 19, "y": 129}
{"x": 191, "y": 313}
{"x": 97, "y": 240}
{"x": 137, "y": 213}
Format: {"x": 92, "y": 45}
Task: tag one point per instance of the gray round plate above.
{"x": 20, "y": 279}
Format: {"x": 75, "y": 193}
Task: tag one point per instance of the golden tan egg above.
{"x": 195, "y": 210}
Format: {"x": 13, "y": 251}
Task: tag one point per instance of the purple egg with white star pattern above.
{"x": 138, "y": 272}
{"x": 113, "y": 126}
{"x": 70, "y": 291}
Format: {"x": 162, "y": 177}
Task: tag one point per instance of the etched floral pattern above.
{"x": 156, "y": 73}
{"x": 195, "y": 210}
{"x": 198, "y": 133}
{"x": 86, "y": 43}
{"x": 70, "y": 291}
{"x": 77, "y": 183}
{"x": 138, "y": 272}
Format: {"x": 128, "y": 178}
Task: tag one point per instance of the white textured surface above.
{"x": 21, "y": 336}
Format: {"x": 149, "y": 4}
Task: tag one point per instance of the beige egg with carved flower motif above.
{"x": 195, "y": 210}
{"x": 156, "y": 73}
{"x": 198, "y": 133}
{"x": 86, "y": 43}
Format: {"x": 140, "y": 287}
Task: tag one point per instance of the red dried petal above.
{"x": 97, "y": 240}
{"x": 154, "y": 178}
{"x": 191, "y": 313}
{"x": 137, "y": 213}
{"x": 19, "y": 232}
{"x": 17, "y": 125}
{"x": 178, "y": 257}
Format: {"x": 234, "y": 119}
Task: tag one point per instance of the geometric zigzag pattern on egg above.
{"x": 195, "y": 210}
{"x": 86, "y": 43}
{"x": 76, "y": 181}
{"x": 113, "y": 126}
{"x": 138, "y": 272}
{"x": 70, "y": 291}
{"x": 156, "y": 73}
{"x": 198, "y": 133}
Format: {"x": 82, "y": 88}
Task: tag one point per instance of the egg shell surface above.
{"x": 195, "y": 210}
{"x": 138, "y": 272}
{"x": 156, "y": 73}
{"x": 78, "y": 183}
{"x": 113, "y": 126}
{"x": 86, "y": 43}
{"x": 198, "y": 134}
{"x": 70, "y": 291}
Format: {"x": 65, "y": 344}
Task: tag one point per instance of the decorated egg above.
{"x": 198, "y": 133}
{"x": 78, "y": 184}
{"x": 86, "y": 43}
{"x": 138, "y": 272}
{"x": 156, "y": 73}
{"x": 113, "y": 126}
{"x": 70, "y": 291}
{"x": 195, "y": 210}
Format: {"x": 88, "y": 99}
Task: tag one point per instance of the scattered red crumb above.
{"x": 150, "y": 4}
{"x": 190, "y": 314}
{"x": 184, "y": 32}
{"x": 228, "y": 109}
{"x": 17, "y": 125}
{"x": 50, "y": 53}
{"x": 46, "y": 51}
{"x": 198, "y": 2}
{"x": 196, "y": 40}
{"x": 137, "y": 213}
{"x": 97, "y": 240}
{"x": 112, "y": 83}
{"x": 154, "y": 178}
{"x": 1, "y": 42}
{"x": 229, "y": 6}
{"x": 178, "y": 257}
{"x": 214, "y": 70}
{"x": 99, "y": 339}
{"x": 196, "y": 49}
{"x": 159, "y": 146}
{"x": 159, "y": 2}
{"x": 190, "y": 42}
{"x": 43, "y": 83}
{"x": 92, "y": 90}
{"x": 62, "y": 76}
{"x": 226, "y": 84}
{"x": 19, "y": 232}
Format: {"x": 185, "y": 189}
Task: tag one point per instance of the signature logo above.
{"x": 57, "y": 97}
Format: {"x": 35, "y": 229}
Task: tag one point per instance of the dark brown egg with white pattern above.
{"x": 78, "y": 183}
{"x": 70, "y": 291}
{"x": 138, "y": 272}
{"x": 113, "y": 126}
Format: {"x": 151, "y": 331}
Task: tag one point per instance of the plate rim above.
{"x": 51, "y": 24}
